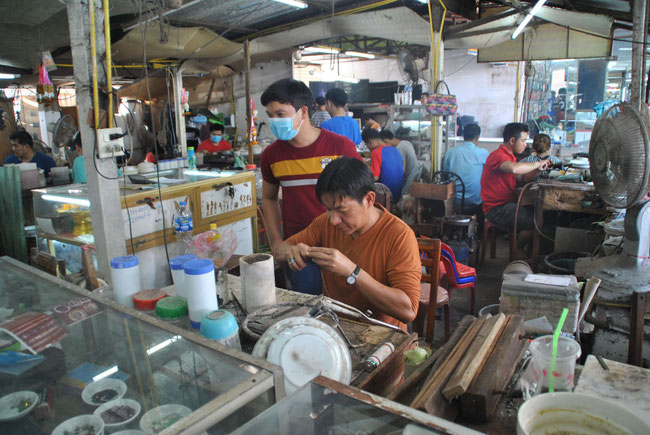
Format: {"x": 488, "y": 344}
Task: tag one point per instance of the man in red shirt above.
{"x": 501, "y": 175}
{"x": 294, "y": 162}
{"x": 215, "y": 142}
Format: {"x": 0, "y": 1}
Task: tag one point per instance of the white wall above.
{"x": 482, "y": 91}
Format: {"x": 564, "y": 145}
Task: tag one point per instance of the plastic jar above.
{"x": 201, "y": 289}
{"x": 125, "y": 277}
{"x": 146, "y": 300}
{"x": 178, "y": 275}
{"x": 173, "y": 310}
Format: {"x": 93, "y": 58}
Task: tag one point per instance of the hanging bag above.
{"x": 442, "y": 104}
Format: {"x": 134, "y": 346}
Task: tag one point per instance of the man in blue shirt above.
{"x": 340, "y": 123}
{"x": 23, "y": 147}
{"x": 467, "y": 160}
{"x": 386, "y": 162}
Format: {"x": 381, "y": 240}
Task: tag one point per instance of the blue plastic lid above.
{"x": 218, "y": 324}
{"x": 198, "y": 267}
{"x": 124, "y": 262}
{"x": 195, "y": 325}
{"x": 183, "y": 203}
{"x": 177, "y": 263}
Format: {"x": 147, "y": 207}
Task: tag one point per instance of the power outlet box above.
{"x": 107, "y": 147}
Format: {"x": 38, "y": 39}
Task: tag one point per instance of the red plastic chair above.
{"x": 458, "y": 274}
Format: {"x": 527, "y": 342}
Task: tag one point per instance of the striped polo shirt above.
{"x": 297, "y": 170}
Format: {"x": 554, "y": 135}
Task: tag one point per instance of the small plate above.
{"x": 305, "y": 348}
{"x": 71, "y": 424}
{"x": 153, "y": 421}
{"x": 119, "y": 402}
{"x": 9, "y": 405}
{"x": 103, "y": 384}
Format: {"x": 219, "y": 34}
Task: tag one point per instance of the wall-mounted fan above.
{"x": 407, "y": 66}
{"x": 62, "y": 133}
{"x": 619, "y": 160}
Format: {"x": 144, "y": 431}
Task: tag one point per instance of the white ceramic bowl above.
{"x": 152, "y": 421}
{"x": 103, "y": 384}
{"x": 119, "y": 402}
{"x": 576, "y": 413}
{"x": 7, "y": 410}
{"x": 72, "y": 423}
{"x": 130, "y": 432}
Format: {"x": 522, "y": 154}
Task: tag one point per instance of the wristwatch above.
{"x": 352, "y": 279}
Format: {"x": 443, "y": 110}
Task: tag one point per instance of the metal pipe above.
{"x": 93, "y": 54}
{"x": 109, "y": 62}
{"x": 638, "y": 49}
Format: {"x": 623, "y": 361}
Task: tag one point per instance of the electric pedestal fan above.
{"x": 619, "y": 161}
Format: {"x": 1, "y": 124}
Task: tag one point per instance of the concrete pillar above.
{"x": 638, "y": 49}
{"x": 103, "y": 190}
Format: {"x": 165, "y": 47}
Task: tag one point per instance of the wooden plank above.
{"x": 433, "y": 387}
{"x": 383, "y": 379}
{"x": 442, "y": 352}
{"x": 475, "y": 357}
{"x": 480, "y": 401}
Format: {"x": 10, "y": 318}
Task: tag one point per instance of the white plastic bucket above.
{"x": 125, "y": 277}
{"x": 568, "y": 351}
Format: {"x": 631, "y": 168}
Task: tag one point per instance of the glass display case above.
{"x": 74, "y": 340}
{"x": 324, "y": 406}
{"x": 413, "y": 123}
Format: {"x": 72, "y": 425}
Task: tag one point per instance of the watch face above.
{"x": 351, "y": 280}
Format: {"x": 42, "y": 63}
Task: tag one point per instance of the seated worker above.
{"x": 542, "y": 148}
{"x": 23, "y": 148}
{"x": 215, "y": 142}
{"x": 78, "y": 168}
{"x": 371, "y": 123}
{"x": 467, "y": 159}
{"x": 336, "y": 99}
{"x": 369, "y": 257}
{"x": 405, "y": 148}
{"x": 295, "y": 161}
{"x": 321, "y": 114}
{"x": 386, "y": 162}
{"x": 501, "y": 174}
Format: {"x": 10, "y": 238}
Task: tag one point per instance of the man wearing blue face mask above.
{"x": 215, "y": 142}
{"x": 294, "y": 162}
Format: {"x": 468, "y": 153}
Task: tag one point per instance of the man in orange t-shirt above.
{"x": 368, "y": 257}
{"x": 215, "y": 142}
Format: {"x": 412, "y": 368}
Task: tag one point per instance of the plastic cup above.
{"x": 568, "y": 351}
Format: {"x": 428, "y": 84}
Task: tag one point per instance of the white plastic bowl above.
{"x": 103, "y": 384}
{"x": 72, "y": 423}
{"x": 119, "y": 402}
{"x": 576, "y": 413}
{"x": 155, "y": 415}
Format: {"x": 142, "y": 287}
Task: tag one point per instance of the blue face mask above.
{"x": 282, "y": 128}
{"x": 215, "y": 138}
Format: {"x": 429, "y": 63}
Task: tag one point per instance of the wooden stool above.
{"x": 490, "y": 232}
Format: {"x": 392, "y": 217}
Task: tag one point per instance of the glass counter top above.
{"x": 81, "y": 338}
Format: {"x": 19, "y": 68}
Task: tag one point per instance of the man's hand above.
{"x": 332, "y": 260}
{"x": 297, "y": 255}
{"x": 544, "y": 164}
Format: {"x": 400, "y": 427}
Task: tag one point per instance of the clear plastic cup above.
{"x": 568, "y": 351}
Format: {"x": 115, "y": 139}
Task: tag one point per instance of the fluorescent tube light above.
{"x": 529, "y": 17}
{"x": 625, "y": 49}
{"x": 66, "y": 200}
{"x": 163, "y": 345}
{"x": 102, "y": 375}
{"x": 320, "y": 50}
{"x": 294, "y": 3}
{"x": 347, "y": 79}
{"x": 4, "y": 76}
{"x": 424, "y": 1}
{"x": 357, "y": 54}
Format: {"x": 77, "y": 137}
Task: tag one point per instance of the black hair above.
{"x": 369, "y": 134}
{"x": 471, "y": 132}
{"x": 541, "y": 143}
{"x": 288, "y": 91}
{"x": 514, "y": 129}
{"x": 386, "y": 134}
{"x": 345, "y": 177}
{"x": 216, "y": 127}
{"x": 23, "y": 138}
{"x": 321, "y": 101}
{"x": 337, "y": 96}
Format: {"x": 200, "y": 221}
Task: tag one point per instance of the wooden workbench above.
{"x": 560, "y": 196}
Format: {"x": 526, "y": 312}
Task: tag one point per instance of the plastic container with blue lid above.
{"x": 125, "y": 278}
{"x": 176, "y": 265}
{"x": 200, "y": 289}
